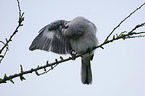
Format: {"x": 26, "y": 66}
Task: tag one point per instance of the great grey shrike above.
{"x": 63, "y": 36}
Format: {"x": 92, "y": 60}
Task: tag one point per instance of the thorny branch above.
{"x": 123, "y": 35}
{"x": 5, "y": 44}
{"x": 124, "y": 20}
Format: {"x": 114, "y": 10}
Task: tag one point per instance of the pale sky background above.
{"x": 118, "y": 70}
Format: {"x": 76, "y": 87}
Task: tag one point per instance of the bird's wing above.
{"x": 50, "y": 38}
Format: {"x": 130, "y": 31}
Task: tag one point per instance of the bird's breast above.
{"x": 83, "y": 43}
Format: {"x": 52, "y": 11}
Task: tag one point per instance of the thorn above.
{"x": 45, "y": 69}
{"x": 12, "y": 81}
{"x": 61, "y": 57}
{"x": 22, "y": 78}
{"x": 56, "y": 61}
{"x": 37, "y": 73}
{"x": 101, "y": 47}
{"x": 21, "y": 68}
{"x": 47, "y": 62}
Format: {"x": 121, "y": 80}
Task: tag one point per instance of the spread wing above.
{"x": 50, "y": 38}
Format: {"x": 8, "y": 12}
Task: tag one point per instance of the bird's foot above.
{"x": 73, "y": 54}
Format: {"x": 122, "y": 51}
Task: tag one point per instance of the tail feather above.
{"x": 86, "y": 74}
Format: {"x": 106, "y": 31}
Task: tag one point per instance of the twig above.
{"x": 21, "y": 19}
{"x": 123, "y": 21}
{"x": 52, "y": 65}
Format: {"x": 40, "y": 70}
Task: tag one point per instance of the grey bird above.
{"x": 63, "y": 36}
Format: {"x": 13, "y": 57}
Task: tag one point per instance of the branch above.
{"x": 124, "y": 20}
{"x": 5, "y": 45}
{"x": 123, "y": 35}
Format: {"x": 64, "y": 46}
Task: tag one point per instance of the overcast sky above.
{"x": 118, "y": 70}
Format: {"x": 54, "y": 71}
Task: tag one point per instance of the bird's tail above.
{"x": 86, "y": 74}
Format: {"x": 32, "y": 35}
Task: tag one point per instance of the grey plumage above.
{"x": 51, "y": 39}
{"x": 63, "y": 36}
{"x": 86, "y": 72}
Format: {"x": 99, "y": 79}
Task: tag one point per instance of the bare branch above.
{"x": 124, "y": 20}
{"x": 21, "y": 19}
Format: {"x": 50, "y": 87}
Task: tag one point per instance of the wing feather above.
{"x": 50, "y": 38}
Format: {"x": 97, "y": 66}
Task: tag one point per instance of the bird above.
{"x": 64, "y": 37}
